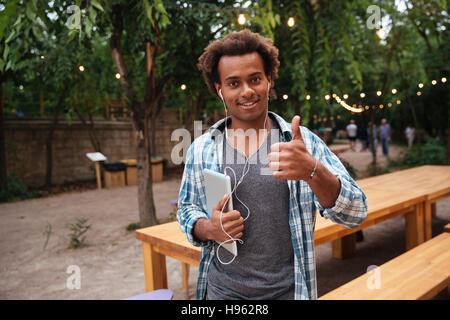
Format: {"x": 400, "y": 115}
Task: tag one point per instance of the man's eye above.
{"x": 256, "y": 80}
{"x": 233, "y": 83}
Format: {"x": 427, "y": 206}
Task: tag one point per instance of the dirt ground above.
{"x": 110, "y": 266}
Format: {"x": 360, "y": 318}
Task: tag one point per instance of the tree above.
{"x": 20, "y": 28}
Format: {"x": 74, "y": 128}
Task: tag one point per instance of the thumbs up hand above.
{"x": 291, "y": 160}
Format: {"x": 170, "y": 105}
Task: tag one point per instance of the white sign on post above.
{"x": 96, "y": 157}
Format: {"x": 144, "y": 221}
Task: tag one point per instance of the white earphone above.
{"x": 245, "y": 170}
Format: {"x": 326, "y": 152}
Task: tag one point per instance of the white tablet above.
{"x": 216, "y": 186}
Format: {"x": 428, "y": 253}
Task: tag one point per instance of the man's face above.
{"x": 244, "y": 86}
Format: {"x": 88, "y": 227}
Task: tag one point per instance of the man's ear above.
{"x": 218, "y": 87}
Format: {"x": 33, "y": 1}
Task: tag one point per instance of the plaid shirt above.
{"x": 349, "y": 210}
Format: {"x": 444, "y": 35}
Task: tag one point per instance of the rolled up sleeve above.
{"x": 191, "y": 199}
{"x": 350, "y": 208}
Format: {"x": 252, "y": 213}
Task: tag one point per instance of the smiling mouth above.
{"x": 248, "y": 105}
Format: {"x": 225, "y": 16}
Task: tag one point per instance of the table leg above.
{"x": 185, "y": 278}
{"x": 344, "y": 247}
{"x": 154, "y": 268}
{"x": 428, "y": 212}
{"x": 414, "y": 226}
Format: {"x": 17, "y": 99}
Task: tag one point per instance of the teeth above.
{"x": 248, "y": 104}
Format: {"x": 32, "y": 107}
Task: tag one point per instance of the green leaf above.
{"x": 30, "y": 13}
{"x": 11, "y": 35}
{"x": 97, "y": 5}
{"x": 72, "y": 34}
{"x": 6, "y": 52}
{"x": 8, "y": 13}
{"x": 88, "y": 27}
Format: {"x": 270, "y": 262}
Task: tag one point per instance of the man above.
{"x": 352, "y": 130}
{"x": 363, "y": 138}
{"x": 410, "y": 132}
{"x": 274, "y": 215}
{"x": 385, "y": 136}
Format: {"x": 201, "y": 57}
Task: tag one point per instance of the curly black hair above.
{"x": 235, "y": 44}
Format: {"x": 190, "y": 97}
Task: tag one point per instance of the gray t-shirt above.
{"x": 264, "y": 266}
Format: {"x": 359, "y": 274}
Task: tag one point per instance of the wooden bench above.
{"x": 419, "y": 274}
{"x": 408, "y": 193}
{"x": 115, "y": 107}
{"x": 447, "y": 228}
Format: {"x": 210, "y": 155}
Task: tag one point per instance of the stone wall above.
{"x": 26, "y": 150}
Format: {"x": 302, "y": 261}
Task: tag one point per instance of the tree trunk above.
{"x": 411, "y": 107}
{"x": 298, "y": 107}
{"x": 194, "y": 106}
{"x": 378, "y": 100}
{"x": 3, "y": 174}
{"x": 49, "y": 140}
{"x": 372, "y": 142}
{"x": 147, "y": 213}
{"x": 90, "y": 127}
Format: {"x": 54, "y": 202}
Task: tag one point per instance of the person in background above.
{"x": 385, "y": 136}
{"x": 410, "y": 132}
{"x": 363, "y": 138}
{"x": 352, "y": 130}
{"x": 375, "y": 136}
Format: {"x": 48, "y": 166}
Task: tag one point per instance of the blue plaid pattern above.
{"x": 349, "y": 210}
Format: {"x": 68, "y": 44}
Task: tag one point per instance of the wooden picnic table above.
{"x": 409, "y": 192}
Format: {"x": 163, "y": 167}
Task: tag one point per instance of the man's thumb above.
{"x": 296, "y": 128}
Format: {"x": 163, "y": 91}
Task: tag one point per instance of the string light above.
{"x": 183, "y": 87}
{"x": 81, "y": 68}
{"x": 285, "y": 96}
{"x": 241, "y": 19}
{"x": 291, "y": 22}
{"x": 346, "y": 106}
{"x": 360, "y": 108}
{"x": 117, "y": 75}
{"x": 42, "y": 57}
